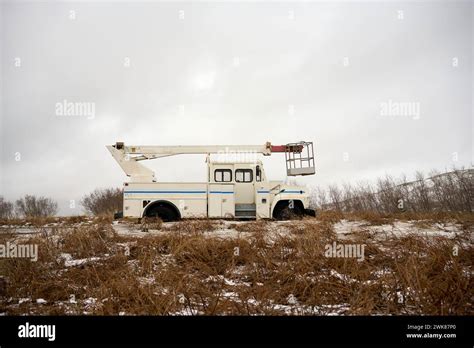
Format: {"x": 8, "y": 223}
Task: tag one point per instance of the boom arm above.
{"x": 129, "y": 156}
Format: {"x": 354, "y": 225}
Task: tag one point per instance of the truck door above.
{"x": 244, "y": 186}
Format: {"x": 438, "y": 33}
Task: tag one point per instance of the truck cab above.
{"x": 241, "y": 190}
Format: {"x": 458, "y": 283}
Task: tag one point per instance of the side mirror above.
{"x": 258, "y": 173}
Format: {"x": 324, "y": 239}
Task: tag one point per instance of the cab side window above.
{"x": 223, "y": 175}
{"x": 243, "y": 175}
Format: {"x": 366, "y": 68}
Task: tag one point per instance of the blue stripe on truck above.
{"x": 202, "y": 192}
{"x": 165, "y": 191}
{"x": 281, "y": 191}
{"x": 174, "y": 192}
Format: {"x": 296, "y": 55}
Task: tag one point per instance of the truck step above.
{"x": 245, "y": 212}
{"x": 245, "y": 207}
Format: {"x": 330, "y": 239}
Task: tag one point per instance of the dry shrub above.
{"x": 75, "y": 219}
{"x": 209, "y": 256}
{"x": 36, "y": 221}
{"x": 6, "y": 209}
{"x": 192, "y": 226}
{"x": 259, "y": 226}
{"x": 103, "y": 201}
{"x": 437, "y": 192}
{"x": 434, "y": 279}
{"x": 32, "y": 206}
{"x": 87, "y": 242}
{"x": 330, "y": 215}
{"x": 151, "y": 223}
{"x": 42, "y": 220}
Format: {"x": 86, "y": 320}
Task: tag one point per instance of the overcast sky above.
{"x": 379, "y": 87}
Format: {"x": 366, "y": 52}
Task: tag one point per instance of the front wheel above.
{"x": 288, "y": 212}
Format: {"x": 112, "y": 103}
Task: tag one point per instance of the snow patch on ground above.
{"x": 397, "y": 229}
{"x": 70, "y": 262}
{"x": 226, "y": 281}
{"x": 225, "y": 230}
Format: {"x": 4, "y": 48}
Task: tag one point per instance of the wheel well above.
{"x": 161, "y": 203}
{"x": 286, "y": 202}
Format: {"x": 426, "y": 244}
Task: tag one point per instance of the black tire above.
{"x": 164, "y": 212}
{"x": 284, "y": 212}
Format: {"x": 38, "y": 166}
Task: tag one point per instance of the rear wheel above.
{"x": 163, "y": 211}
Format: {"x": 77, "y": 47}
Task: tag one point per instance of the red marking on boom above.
{"x": 285, "y": 148}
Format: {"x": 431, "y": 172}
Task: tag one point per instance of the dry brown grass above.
{"x": 330, "y": 215}
{"x": 464, "y": 219}
{"x": 40, "y": 221}
{"x": 86, "y": 242}
{"x": 185, "y": 272}
{"x": 252, "y": 227}
{"x": 193, "y": 226}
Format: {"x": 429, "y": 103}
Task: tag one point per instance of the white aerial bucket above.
{"x": 299, "y": 158}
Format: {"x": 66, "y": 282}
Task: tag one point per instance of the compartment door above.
{"x": 228, "y": 200}
{"x": 262, "y": 200}
{"x": 221, "y": 201}
{"x": 214, "y": 203}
